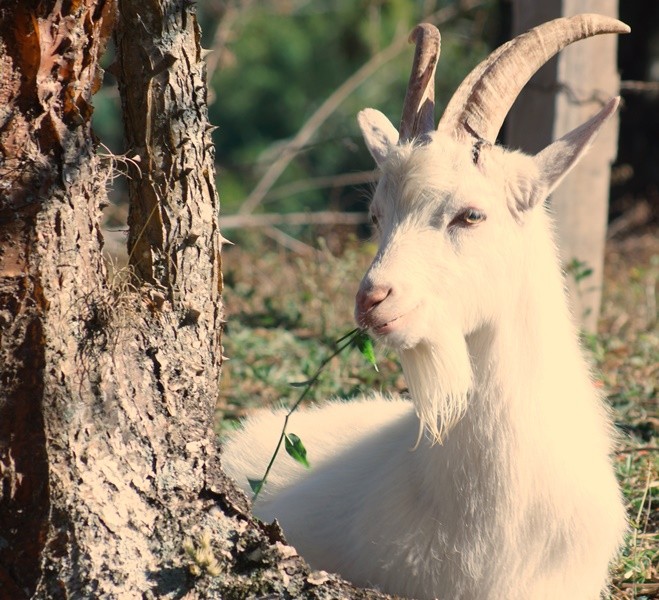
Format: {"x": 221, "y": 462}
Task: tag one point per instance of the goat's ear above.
{"x": 557, "y": 159}
{"x": 379, "y": 134}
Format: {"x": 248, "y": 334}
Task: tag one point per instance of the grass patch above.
{"x": 626, "y": 357}
{"x": 285, "y": 313}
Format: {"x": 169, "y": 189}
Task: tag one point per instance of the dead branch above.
{"x": 288, "y": 241}
{"x": 218, "y": 53}
{"x": 336, "y": 98}
{"x": 300, "y": 218}
{"x": 640, "y": 87}
{"x": 315, "y": 183}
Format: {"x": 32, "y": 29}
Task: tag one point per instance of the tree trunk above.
{"x": 51, "y": 273}
{"x": 565, "y": 93}
{"x": 111, "y": 485}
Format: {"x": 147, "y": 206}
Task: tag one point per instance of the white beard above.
{"x": 439, "y": 378}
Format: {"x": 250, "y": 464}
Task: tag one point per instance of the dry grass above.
{"x": 627, "y": 356}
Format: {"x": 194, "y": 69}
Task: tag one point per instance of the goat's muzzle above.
{"x": 367, "y": 299}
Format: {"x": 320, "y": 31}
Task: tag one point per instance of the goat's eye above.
{"x": 471, "y": 216}
{"x": 375, "y": 220}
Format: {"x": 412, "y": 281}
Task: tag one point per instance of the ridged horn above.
{"x": 481, "y": 103}
{"x": 419, "y": 106}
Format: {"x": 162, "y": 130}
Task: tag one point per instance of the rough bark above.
{"x": 108, "y": 462}
{"x": 565, "y": 93}
{"x": 50, "y": 261}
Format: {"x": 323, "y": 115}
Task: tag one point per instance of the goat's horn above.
{"x": 419, "y": 107}
{"x": 481, "y": 103}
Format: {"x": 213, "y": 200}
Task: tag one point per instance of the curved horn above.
{"x": 419, "y": 106}
{"x": 481, "y": 103}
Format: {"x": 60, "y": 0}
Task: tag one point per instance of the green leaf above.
{"x": 583, "y": 274}
{"x": 579, "y": 269}
{"x": 296, "y": 449}
{"x": 365, "y": 346}
{"x": 256, "y": 485}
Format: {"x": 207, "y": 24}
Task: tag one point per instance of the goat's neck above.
{"x": 527, "y": 367}
{"x": 531, "y": 357}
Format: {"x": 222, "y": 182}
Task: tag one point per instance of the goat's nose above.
{"x": 368, "y": 299}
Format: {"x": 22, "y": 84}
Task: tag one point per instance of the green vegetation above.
{"x": 294, "y": 446}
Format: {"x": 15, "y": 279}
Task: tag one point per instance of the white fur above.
{"x": 510, "y": 493}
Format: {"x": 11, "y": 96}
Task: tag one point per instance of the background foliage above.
{"x": 285, "y": 61}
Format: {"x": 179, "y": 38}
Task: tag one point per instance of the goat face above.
{"x": 454, "y": 214}
{"x": 449, "y": 240}
{"x": 452, "y": 209}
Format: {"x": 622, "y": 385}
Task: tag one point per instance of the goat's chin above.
{"x": 403, "y": 332}
{"x": 398, "y": 339}
{"x": 439, "y": 376}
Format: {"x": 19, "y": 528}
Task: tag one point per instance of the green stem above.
{"x": 310, "y": 383}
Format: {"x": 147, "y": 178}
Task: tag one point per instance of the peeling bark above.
{"x": 48, "y": 180}
{"x": 110, "y": 478}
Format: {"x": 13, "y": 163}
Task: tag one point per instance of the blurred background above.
{"x": 287, "y": 78}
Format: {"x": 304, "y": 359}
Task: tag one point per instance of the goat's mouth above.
{"x": 377, "y": 326}
{"x": 381, "y": 325}
{"x": 395, "y": 325}
{"x": 386, "y": 327}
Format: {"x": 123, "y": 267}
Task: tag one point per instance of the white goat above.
{"x": 509, "y": 492}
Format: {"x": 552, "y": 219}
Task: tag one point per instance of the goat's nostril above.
{"x": 368, "y": 299}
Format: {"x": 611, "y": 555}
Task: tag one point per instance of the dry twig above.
{"x": 299, "y": 218}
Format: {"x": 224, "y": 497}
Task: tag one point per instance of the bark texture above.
{"x": 50, "y": 261}
{"x": 569, "y": 90}
{"x": 110, "y": 480}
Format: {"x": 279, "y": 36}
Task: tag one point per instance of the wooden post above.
{"x": 565, "y": 93}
